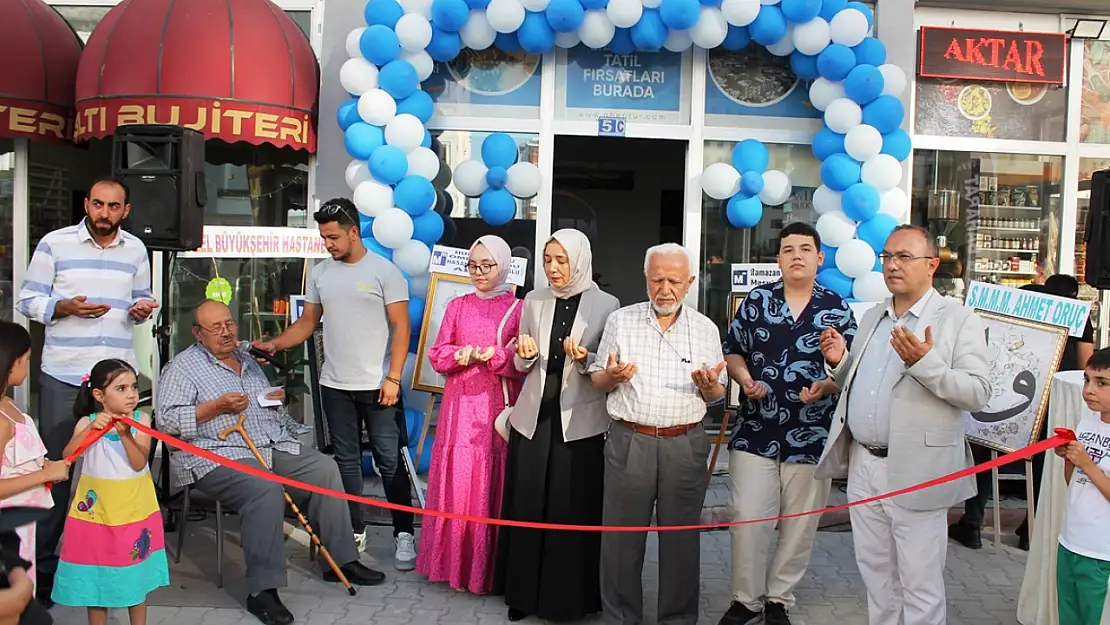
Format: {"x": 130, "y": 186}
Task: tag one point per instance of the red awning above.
{"x": 41, "y": 52}
{"x": 236, "y": 70}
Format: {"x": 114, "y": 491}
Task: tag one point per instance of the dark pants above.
{"x": 345, "y": 411}
{"x": 56, "y": 425}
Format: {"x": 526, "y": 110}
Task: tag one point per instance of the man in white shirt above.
{"x": 660, "y": 362}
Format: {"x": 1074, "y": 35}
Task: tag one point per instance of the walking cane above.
{"x": 238, "y": 428}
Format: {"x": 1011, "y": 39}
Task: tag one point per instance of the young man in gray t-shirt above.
{"x": 366, "y": 342}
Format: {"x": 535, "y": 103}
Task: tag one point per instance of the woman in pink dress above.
{"x": 474, "y": 350}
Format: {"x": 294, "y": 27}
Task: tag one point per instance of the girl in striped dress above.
{"x": 113, "y": 549}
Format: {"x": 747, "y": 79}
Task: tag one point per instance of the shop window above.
{"x": 1094, "y": 112}
{"x": 487, "y": 83}
{"x": 743, "y": 87}
{"x": 7, "y": 179}
{"x": 1087, "y": 167}
{"x": 1011, "y": 238}
{"x": 992, "y": 110}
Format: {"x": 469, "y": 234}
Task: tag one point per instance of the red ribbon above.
{"x": 92, "y": 437}
{"x": 1062, "y": 437}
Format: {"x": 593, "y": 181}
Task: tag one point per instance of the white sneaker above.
{"x": 360, "y": 541}
{"x": 404, "y": 558}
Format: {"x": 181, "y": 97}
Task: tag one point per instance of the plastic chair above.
{"x": 187, "y": 496}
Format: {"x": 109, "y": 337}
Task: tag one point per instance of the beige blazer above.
{"x": 583, "y": 406}
{"x": 929, "y": 400}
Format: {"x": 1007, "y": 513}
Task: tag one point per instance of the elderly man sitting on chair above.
{"x": 202, "y": 392}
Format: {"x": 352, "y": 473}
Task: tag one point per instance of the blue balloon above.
{"x": 448, "y": 15}
{"x": 829, "y": 8}
{"x": 372, "y": 244}
{"x": 870, "y": 51}
{"x": 361, "y": 139}
{"x": 859, "y": 6}
{"x": 744, "y": 212}
{"x": 840, "y": 171}
{"x": 379, "y": 44}
{"x": 427, "y": 141}
{"x": 418, "y": 104}
{"x": 885, "y": 113}
{"x": 499, "y": 150}
{"x": 860, "y": 201}
{"x": 711, "y": 3}
{"x": 416, "y": 311}
{"x": 427, "y": 228}
{"x": 680, "y": 14}
{"x": 897, "y": 144}
{"x": 622, "y": 43}
{"x": 593, "y": 5}
{"x": 565, "y": 16}
{"x": 507, "y": 42}
{"x": 415, "y": 195}
{"x": 875, "y": 231}
{"x": 834, "y": 280}
{"x": 366, "y": 227}
{"x": 388, "y": 164}
{"x": 863, "y": 84}
{"x": 347, "y": 113}
{"x": 650, "y": 33}
{"x": 496, "y": 177}
{"x": 835, "y": 62}
{"x": 804, "y": 65}
{"x": 826, "y": 143}
{"x": 535, "y": 35}
{"x": 878, "y": 262}
{"x": 830, "y": 257}
{"x": 751, "y": 183}
{"x": 769, "y": 26}
{"x": 737, "y": 38}
{"x": 383, "y": 12}
{"x": 797, "y": 11}
{"x": 445, "y": 45}
{"x": 497, "y": 207}
{"x": 480, "y": 5}
{"x": 750, "y": 155}
{"x": 398, "y": 79}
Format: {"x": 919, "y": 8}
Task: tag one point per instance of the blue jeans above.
{"x": 346, "y": 411}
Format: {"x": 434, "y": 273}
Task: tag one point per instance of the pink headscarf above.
{"x": 503, "y": 256}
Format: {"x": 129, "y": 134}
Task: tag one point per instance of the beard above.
{"x": 103, "y": 228}
{"x": 667, "y": 310}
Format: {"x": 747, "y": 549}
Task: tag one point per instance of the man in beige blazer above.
{"x": 918, "y": 362}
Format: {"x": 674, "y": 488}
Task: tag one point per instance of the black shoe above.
{"x": 1023, "y": 542}
{"x": 775, "y": 614}
{"x": 738, "y": 614}
{"x": 46, "y": 602}
{"x": 267, "y": 607}
{"x": 517, "y": 615}
{"x": 357, "y": 574}
{"x": 970, "y": 537}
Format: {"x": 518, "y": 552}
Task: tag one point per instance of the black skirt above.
{"x": 552, "y": 575}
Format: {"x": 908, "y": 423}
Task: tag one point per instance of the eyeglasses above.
{"x": 339, "y": 210}
{"x": 219, "y": 328}
{"x": 900, "y": 258}
{"x": 480, "y": 269}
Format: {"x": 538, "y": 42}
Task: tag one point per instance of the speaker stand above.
{"x": 162, "y": 334}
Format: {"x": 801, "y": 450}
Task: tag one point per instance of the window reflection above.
{"x": 7, "y": 179}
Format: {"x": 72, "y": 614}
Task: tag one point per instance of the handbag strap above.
{"x": 500, "y": 343}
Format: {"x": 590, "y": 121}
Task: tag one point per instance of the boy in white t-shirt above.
{"x": 1083, "y": 561}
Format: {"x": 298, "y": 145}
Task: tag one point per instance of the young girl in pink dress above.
{"x": 468, "y": 459}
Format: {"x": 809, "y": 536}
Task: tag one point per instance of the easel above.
{"x": 722, "y": 436}
{"x": 1029, "y": 497}
{"x": 420, "y": 443}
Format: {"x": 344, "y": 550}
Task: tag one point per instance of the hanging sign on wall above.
{"x": 638, "y": 87}
{"x": 995, "y": 55}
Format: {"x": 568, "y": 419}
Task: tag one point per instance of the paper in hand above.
{"x": 269, "y": 403}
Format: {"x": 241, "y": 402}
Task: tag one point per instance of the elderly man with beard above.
{"x": 89, "y": 284}
{"x": 201, "y": 393}
{"x": 661, "y": 363}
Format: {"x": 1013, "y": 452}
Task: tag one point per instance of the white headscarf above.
{"x": 581, "y": 260}
{"x": 503, "y": 256}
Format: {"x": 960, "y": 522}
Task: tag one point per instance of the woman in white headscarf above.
{"x": 475, "y": 351}
{"x": 556, "y": 442}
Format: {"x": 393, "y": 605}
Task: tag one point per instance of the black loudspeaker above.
{"x": 1097, "y": 237}
{"x": 163, "y": 168}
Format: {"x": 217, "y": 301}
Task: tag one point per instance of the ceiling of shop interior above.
{"x": 1026, "y": 6}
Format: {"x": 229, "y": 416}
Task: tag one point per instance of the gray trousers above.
{"x": 261, "y": 507}
{"x": 641, "y": 473}
{"x": 56, "y": 425}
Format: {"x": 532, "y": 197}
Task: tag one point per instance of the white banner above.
{"x": 259, "y": 242}
{"x": 453, "y": 260}
{"x": 747, "y": 276}
{"x": 1029, "y": 305}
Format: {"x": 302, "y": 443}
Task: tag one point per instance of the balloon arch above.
{"x": 398, "y": 181}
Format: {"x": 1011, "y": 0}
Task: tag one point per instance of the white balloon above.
{"x": 823, "y": 92}
{"x": 894, "y": 79}
{"x": 392, "y": 228}
{"x": 894, "y": 202}
{"x": 535, "y": 5}
{"x": 812, "y": 37}
{"x": 470, "y": 178}
{"x": 404, "y": 131}
{"x": 372, "y": 198}
{"x": 567, "y": 40}
{"x": 848, "y": 27}
{"x": 624, "y": 13}
{"x": 883, "y": 172}
{"x": 354, "y": 38}
{"x": 357, "y": 75}
{"x": 776, "y": 188}
{"x": 863, "y": 142}
{"x": 651, "y": 4}
{"x": 376, "y": 107}
{"x": 596, "y": 30}
{"x": 740, "y": 12}
{"x": 835, "y": 228}
{"x": 784, "y": 46}
{"x": 357, "y": 172}
{"x": 855, "y": 259}
{"x": 842, "y": 115}
{"x": 419, "y": 7}
{"x": 418, "y": 286}
{"x": 825, "y": 200}
{"x": 476, "y": 33}
{"x": 720, "y": 181}
{"x": 524, "y": 180}
{"x": 710, "y": 30}
{"x": 678, "y": 41}
{"x": 423, "y": 162}
{"x": 870, "y": 287}
{"x": 412, "y": 257}
{"x": 414, "y": 32}
{"x": 505, "y": 16}
{"x": 421, "y": 61}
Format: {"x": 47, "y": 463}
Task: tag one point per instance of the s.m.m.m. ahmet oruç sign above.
{"x": 1005, "y": 56}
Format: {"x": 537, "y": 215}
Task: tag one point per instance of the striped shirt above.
{"x": 68, "y": 263}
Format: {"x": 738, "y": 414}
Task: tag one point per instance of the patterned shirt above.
{"x": 194, "y": 377}
{"x": 785, "y": 354}
{"x": 662, "y": 393}
{"x": 67, "y": 263}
